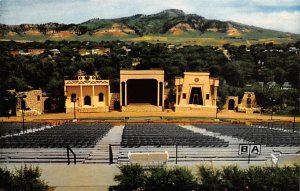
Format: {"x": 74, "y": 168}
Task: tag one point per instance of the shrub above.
{"x": 132, "y": 177}
{"x": 5, "y": 179}
{"x": 233, "y": 178}
{"x": 177, "y": 178}
{"x": 158, "y": 179}
{"x": 182, "y": 179}
{"x": 24, "y": 179}
{"x": 210, "y": 179}
{"x": 274, "y": 178}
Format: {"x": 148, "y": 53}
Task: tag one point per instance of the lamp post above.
{"x": 74, "y": 110}
{"x": 272, "y": 100}
{"x": 23, "y": 107}
{"x": 295, "y": 112}
{"x": 74, "y": 99}
{"x": 216, "y": 100}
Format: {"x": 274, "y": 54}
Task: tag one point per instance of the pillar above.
{"x": 121, "y": 92}
{"x": 126, "y": 93}
{"x": 108, "y": 93}
{"x": 215, "y": 95}
{"x": 93, "y": 95}
{"x": 81, "y": 99}
{"x": 163, "y": 95}
{"x": 176, "y": 95}
{"x": 157, "y": 93}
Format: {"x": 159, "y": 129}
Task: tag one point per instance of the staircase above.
{"x": 100, "y": 153}
{"x": 143, "y": 107}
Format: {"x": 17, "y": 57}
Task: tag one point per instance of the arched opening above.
{"x": 38, "y": 97}
{"x": 142, "y": 91}
{"x": 231, "y": 104}
{"x": 249, "y": 101}
{"x": 101, "y": 97}
{"x": 47, "y": 105}
{"x": 116, "y": 105}
{"x": 196, "y": 96}
{"x": 87, "y": 100}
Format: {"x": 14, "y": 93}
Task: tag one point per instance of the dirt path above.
{"x": 229, "y": 115}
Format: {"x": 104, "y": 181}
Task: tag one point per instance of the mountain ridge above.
{"x": 169, "y": 23}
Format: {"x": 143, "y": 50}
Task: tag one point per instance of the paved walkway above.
{"x": 100, "y": 153}
{"x": 79, "y": 177}
{"x": 172, "y": 115}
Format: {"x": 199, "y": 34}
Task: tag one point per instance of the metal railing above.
{"x": 68, "y": 154}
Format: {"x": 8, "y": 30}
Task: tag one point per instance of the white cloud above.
{"x": 76, "y": 11}
{"x": 277, "y": 2}
{"x": 282, "y": 21}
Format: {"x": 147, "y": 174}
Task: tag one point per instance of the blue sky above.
{"x": 282, "y": 15}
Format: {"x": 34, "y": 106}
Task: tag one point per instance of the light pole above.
{"x": 272, "y": 100}
{"x": 73, "y": 99}
{"x": 23, "y": 107}
{"x": 216, "y": 100}
{"x": 295, "y": 112}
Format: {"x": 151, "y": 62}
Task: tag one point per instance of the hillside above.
{"x": 171, "y": 26}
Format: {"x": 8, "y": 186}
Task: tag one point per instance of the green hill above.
{"x": 169, "y": 26}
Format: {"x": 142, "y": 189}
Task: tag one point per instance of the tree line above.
{"x": 239, "y": 68}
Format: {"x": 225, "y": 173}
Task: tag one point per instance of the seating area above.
{"x": 83, "y": 135}
{"x": 257, "y": 135}
{"x": 290, "y": 127}
{"x": 16, "y": 128}
{"x": 136, "y": 135}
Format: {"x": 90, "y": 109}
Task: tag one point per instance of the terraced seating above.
{"x": 280, "y": 126}
{"x": 264, "y": 136}
{"x": 74, "y": 135}
{"x": 135, "y": 135}
{"x": 16, "y": 128}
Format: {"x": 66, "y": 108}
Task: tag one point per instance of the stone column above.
{"x": 126, "y": 93}
{"x": 176, "y": 95}
{"x": 163, "y": 95}
{"x": 93, "y": 95}
{"x": 81, "y": 99}
{"x": 121, "y": 92}
{"x": 157, "y": 93}
{"x": 215, "y": 95}
{"x": 108, "y": 95}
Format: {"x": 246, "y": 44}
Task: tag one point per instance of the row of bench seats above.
{"x": 264, "y": 136}
{"x": 135, "y": 135}
{"x": 75, "y": 135}
{"x": 16, "y": 128}
{"x": 290, "y": 127}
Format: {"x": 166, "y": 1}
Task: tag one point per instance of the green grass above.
{"x": 189, "y": 38}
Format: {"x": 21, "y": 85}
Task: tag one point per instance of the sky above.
{"x": 281, "y": 15}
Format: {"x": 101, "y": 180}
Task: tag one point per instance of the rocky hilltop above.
{"x": 169, "y": 24}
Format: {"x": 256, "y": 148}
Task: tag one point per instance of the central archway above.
{"x": 87, "y": 100}
{"x": 142, "y": 91}
{"x": 231, "y": 104}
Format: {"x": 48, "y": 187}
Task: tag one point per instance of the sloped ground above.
{"x": 170, "y": 114}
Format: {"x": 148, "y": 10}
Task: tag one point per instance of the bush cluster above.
{"x": 135, "y": 177}
{"x": 23, "y": 179}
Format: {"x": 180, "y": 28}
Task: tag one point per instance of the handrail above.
{"x": 68, "y": 154}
